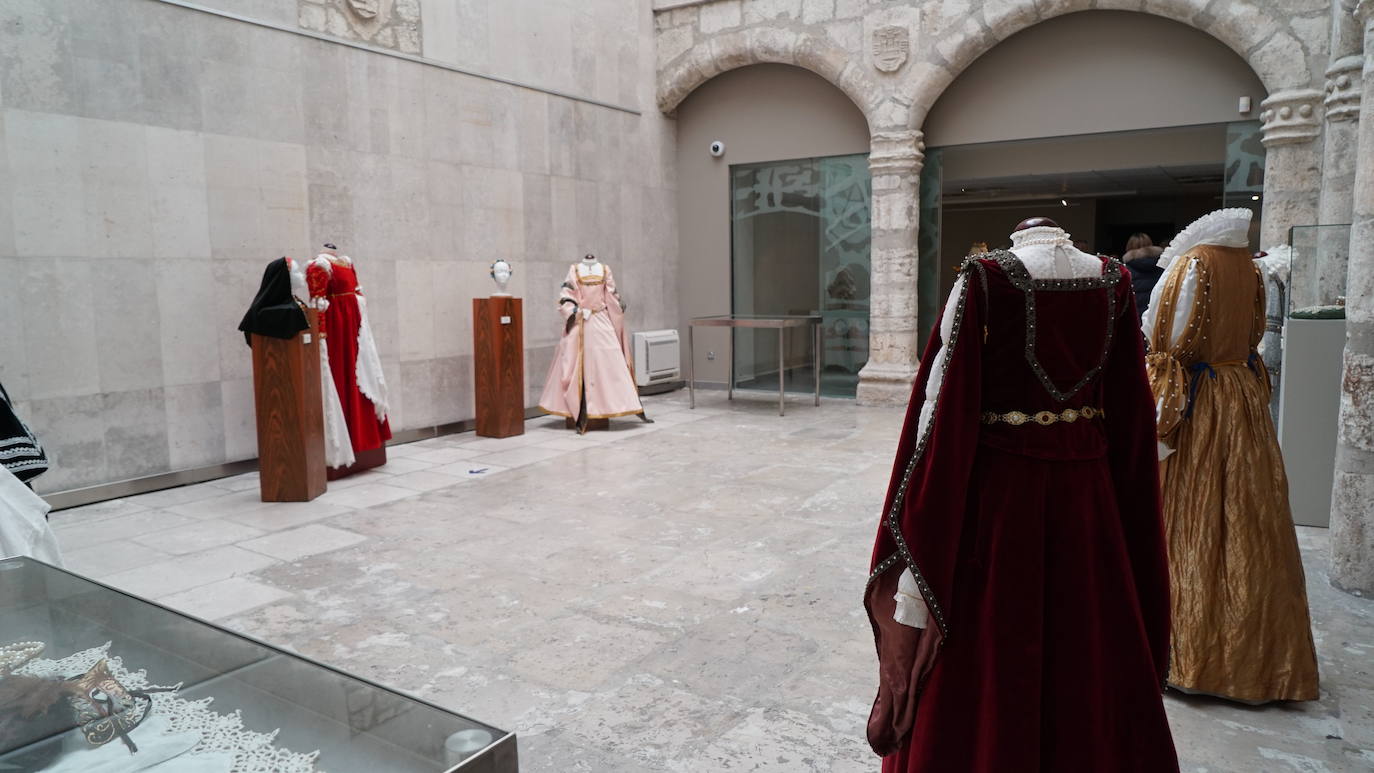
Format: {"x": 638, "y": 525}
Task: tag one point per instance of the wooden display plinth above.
{"x": 499, "y": 366}
{"x": 290, "y": 412}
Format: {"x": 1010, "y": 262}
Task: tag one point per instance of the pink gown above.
{"x": 593, "y": 356}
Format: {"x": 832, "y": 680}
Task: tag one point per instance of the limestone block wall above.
{"x": 153, "y": 158}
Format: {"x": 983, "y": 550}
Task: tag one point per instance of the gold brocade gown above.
{"x": 1241, "y": 628}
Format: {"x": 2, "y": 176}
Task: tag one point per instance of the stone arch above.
{"x": 1266, "y": 44}
{"x": 765, "y": 45}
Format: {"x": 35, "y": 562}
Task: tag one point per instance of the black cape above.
{"x": 20, "y": 451}
{"x": 274, "y": 312}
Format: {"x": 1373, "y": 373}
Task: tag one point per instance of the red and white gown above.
{"x": 359, "y": 421}
{"x": 1019, "y": 593}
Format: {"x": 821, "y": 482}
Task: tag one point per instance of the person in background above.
{"x": 1142, "y": 258}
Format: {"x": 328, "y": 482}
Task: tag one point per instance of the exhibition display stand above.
{"x": 290, "y": 415}
{"x": 499, "y": 365}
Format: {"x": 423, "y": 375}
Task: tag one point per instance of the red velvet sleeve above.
{"x": 923, "y": 517}
{"x": 317, "y": 279}
{"x": 1133, "y": 455}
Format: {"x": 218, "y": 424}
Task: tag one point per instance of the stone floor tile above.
{"x": 571, "y": 442}
{"x": 684, "y": 596}
{"x": 365, "y": 495}
{"x": 202, "y": 535}
{"x": 180, "y": 495}
{"x": 86, "y": 533}
{"x": 445, "y": 455}
{"x": 227, "y": 504}
{"x": 189, "y": 571}
{"x": 373, "y": 475}
{"x": 248, "y": 481}
{"x": 424, "y": 480}
{"x": 578, "y": 652}
{"x": 400, "y": 465}
{"x": 480, "y": 445}
{"x": 110, "y": 557}
{"x": 101, "y": 510}
{"x": 647, "y": 720}
{"x": 517, "y": 457}
{"x": 285, "y": 515}
{"x": 469, "y": 470}
{"x": 224, "y": 598}
{"x": 306, "y": 541}
{"x": 772, "y": 740}
{"x": 552, "y": 752}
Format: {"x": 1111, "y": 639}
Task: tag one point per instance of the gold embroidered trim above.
{"x": 1043, "y": 418}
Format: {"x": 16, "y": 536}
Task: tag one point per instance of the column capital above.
{"x": 897, "y": 152}
{"x": 1291, "y": 117}
{"x": 1343, "y": 88}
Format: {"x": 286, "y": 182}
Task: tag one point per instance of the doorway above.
{"x": 801, "y": 231}
{"x": 1101, "y": 188}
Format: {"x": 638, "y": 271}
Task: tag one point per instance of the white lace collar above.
{"x": 1047, "y": 252}
{"x": 592, "y": 269}
{"x": 1222, "y": 228}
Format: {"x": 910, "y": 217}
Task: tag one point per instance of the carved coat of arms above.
{"x": 890, "y": 47}
{"x": 365, "y": 9}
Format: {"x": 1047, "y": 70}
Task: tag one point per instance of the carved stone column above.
{"x": 895, "y": 161}
{"x": 1352, "y": 494}
{"x": 1343, "y": 84}
{"x": 1339, "y": 140}
{"x": 1292, "y": 166}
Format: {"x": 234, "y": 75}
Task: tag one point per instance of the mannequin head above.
{"x": 330, "y": 249}
{"x": 589, "y": 258}
{"x": 500, "y": 272}
{"x": 1034, "y": 222}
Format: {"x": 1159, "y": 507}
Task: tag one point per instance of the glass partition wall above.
{"x": 801, "y": 233}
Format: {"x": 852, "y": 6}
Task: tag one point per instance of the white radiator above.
{"x": 657, "y": 357}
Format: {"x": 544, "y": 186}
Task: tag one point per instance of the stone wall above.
{"x": 155, "y": 157}
{"x": 391, "y": 24}
{"x": 895, "y": 57}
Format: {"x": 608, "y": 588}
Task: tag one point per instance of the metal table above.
{"x": 780, "y": 322}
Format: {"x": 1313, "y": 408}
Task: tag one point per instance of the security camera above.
{"x": 717, "y": 148}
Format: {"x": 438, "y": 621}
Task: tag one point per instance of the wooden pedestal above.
{"x": 499, "y": 366}
{"x": 290, "y": 412}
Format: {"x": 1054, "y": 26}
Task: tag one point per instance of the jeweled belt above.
{"x": 1043, "y": 418}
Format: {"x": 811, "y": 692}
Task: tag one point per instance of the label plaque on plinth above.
{"x": 498, "y": 365}
{"x": 290, "y": 414}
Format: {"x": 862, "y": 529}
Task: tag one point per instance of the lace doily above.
{"x": 253, "y": 752}
{"x": 1223, "y": 228}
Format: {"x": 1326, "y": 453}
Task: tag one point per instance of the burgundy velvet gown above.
{"x": 1027, "y": 506}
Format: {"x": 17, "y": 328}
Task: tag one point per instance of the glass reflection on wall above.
{"x": 801, "y": 233}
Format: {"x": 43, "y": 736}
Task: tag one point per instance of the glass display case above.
{"x": 1317, "y": 259}
{"x": 94, "y": 679}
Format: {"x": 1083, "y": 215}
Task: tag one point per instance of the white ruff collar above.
{"x": 1040, "y": 234}
{"x": 1222, "y": 228}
